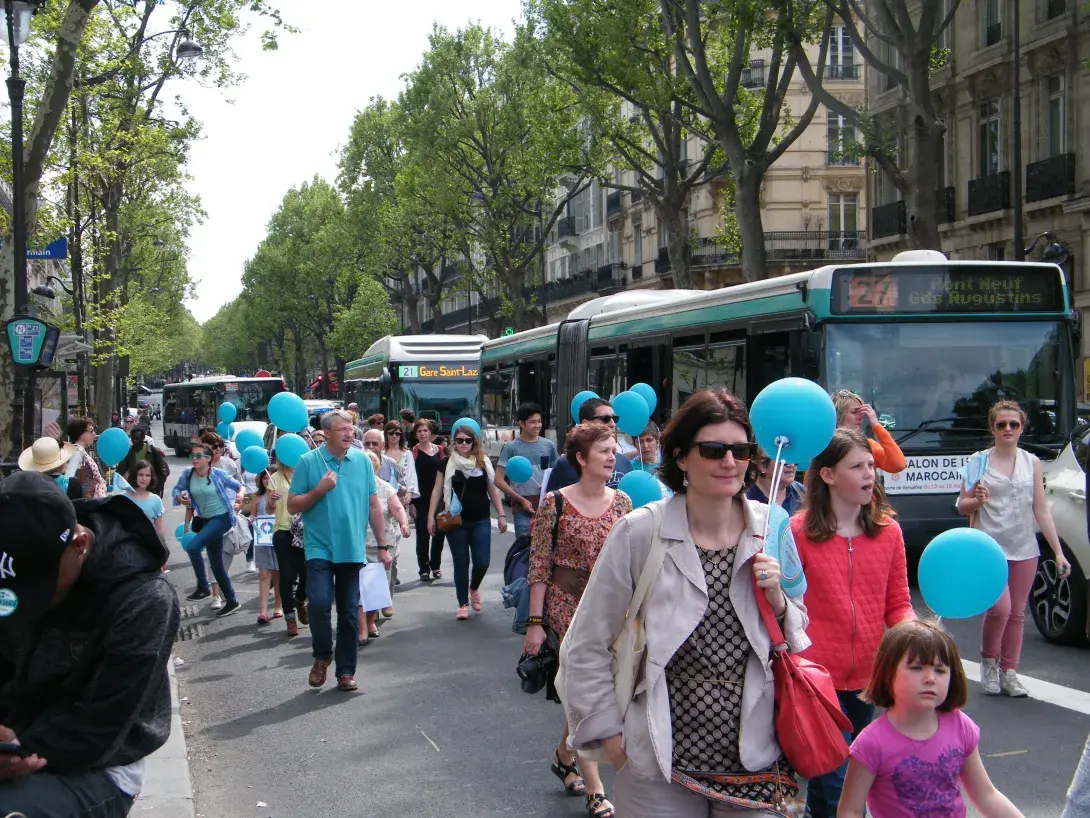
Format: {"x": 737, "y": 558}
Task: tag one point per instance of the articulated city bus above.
{"x": 433, "y": 375}
{"x": 931, "y": 344}
{"x": 191, "y": 404}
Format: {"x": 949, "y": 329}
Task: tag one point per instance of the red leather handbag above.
{"x": 809, "y": 722}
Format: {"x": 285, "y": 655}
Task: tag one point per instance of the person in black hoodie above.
{"x": 87, "y": 621}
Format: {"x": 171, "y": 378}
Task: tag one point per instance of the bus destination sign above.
{"x": 436, "y": 371}
{"x": 961, "y": 289}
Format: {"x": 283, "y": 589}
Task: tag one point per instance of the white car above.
{"x": 1061, "y": 607}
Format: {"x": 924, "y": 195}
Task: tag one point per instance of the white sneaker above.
{"x": 1012, "y": 686}
{"x": 989, "y": 676}
{"x": 217, "y": 603}
{"x": 251, "y": 568}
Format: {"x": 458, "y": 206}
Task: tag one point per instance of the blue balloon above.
{"x": 519, "y": 470}
{"x": 223, "y": 429}
{"x": 578, "y": 401}
{"x": 288, "y": 412}
{"x": 228, "y": 412}
{"x": 780, "y": 545}
{"x": 641, "y": 487}
{"x": 247, "y": 438}
{"x": 962, "y": 573}
{"x": 470, "y": 422}
{"x": 647, "y": 392}
{"x": 798, "y": 412}
{"x": 187, "y": 540}
{"x": 255, "y": 459}
{"x": 179, "y": 532}
{"x": 632, "y": 412}
{"x": 112, "y": 446}
{"x": 289, "y": 448}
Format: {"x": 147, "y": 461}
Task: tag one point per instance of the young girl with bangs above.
{"x": 853, "y": 553}
{"x": 913, "y": 759}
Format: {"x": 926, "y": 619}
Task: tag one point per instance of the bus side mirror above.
{"x": 810, "y": 358}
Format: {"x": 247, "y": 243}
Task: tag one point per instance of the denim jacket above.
{"x": 226, "y": 487}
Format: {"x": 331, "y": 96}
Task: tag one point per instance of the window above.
{"x": 991, "y": 25}
{"x": 637, "y": 244}
{"x": 726, "y": 368}
{"x": 946, "y": 38}
{"x": 842, "y": 64}
{"x": 889, "y": 55}
{"x": 990, "y": 157}
{"x": 997, "y": 252}
{"x": 690, "y": 367}
{"x": 843, "y": 213}
{"x": 1054, "y": 8}
{"x": 945, "y": 174}
{"x": 842, "y": 140}
{"x": 497, "y": 397}
{"x": 1055, "y": 117}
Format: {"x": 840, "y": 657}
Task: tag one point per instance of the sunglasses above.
{"x": 846, "y": 393}
{"x": 199, "y": 455}
{"x": 717, "y": 451}
{"x": 1013, "y": 425}
{"x": 467, "y": 441}
{"x": 607, "y": 418}
{"x": 394, "y": 434}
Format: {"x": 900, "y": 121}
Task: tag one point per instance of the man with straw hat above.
{"x": 48, "y": 456}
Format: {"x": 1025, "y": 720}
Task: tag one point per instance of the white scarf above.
{"x": 468, "y": 467}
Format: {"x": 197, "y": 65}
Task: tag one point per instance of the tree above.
{"x": 712, "y": 43}
{"x": 621, "y": 64}
{"x": 908, "y": 36}
{"x": 368, "y": 318}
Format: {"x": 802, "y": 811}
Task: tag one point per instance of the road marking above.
{"x": 432, "y": 743}
{"x": 1008, "y": 753}
{"x": 1066, "y": 697}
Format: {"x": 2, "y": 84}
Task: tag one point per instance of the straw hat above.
{"x": 46, "y": 455}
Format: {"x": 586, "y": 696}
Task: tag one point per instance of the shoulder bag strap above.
{"x": 769, "y": 618}
{"x": 650, "y": 570}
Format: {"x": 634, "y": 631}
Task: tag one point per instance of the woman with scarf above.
{"x": 82, "y": 465}
{"x": 468, "y": 477}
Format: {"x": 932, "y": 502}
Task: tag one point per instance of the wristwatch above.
{"x": 384, "y": 548}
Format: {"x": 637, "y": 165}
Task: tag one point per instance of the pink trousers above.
{"x": 1005, "y": 620}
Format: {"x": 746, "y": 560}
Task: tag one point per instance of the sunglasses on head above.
{"x": 717, "y": 451}
{"x": 1013, "y": 425}
{"x": 466, "y": 440}
{"x": 198, "y": 455}
{"x": 607, "y": 418}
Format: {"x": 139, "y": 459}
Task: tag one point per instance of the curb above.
{"x": 168, "y": 790}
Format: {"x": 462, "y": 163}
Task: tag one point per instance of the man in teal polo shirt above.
{"x": 334, "y": 488}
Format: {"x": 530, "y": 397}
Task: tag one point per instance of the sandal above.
{"x": 598, "y": 806}
{"x": 278, "y": 614}
{"x": 565, "y": 771}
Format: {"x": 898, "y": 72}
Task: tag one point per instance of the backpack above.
{"x": 516, "y": 564}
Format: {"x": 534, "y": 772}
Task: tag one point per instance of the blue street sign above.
{"x": 56, "y": 251}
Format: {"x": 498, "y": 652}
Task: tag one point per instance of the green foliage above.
{"x": 364, "y": 321}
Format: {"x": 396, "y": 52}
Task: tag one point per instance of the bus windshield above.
{"x": 442, "y": 402}
{"x": 932, "y": 384}
{"x": 197, "y": 404}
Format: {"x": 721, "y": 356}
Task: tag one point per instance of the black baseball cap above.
{"x": 37, "y": 521}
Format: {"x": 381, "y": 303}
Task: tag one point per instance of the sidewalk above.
{"x": 168, "y": 791}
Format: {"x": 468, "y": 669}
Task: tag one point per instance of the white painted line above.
{"x": 1066, "y": 697}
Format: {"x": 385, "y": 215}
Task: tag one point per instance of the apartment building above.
{"x": 974, "y": 94}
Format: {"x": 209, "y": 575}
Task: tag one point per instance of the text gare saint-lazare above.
{"x": 994, "y": 291}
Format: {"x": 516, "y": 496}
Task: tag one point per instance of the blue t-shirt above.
{"x": 206, "y": 497}
{"x": 150, "y": 505}
{"x": 542, "y": 455}
{"x": 564, "y": 475}
{"x": 335, "y": 528}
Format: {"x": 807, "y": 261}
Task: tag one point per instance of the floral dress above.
{"x": 578, "y": 542}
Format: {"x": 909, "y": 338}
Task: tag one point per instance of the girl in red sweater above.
{"x": 857, "y": 582}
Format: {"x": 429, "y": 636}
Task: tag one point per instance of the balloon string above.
{"x": 777, "y": 473}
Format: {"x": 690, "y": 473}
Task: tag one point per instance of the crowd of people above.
{"x": 697, "y": 736}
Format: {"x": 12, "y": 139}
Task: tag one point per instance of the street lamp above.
{"x": 1055, "y": 252}
{"x": 187, "y": 50}
{"x": 17, "y": 15}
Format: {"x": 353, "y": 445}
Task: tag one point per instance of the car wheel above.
{"x": 1059, "y": 605}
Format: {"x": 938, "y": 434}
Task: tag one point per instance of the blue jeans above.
{"x": 470, "y": 540}
{"x": 522, "y": 523}
{"x": 210, "y": 539}
{"x": 1078, "y": 797}
{"x": 49, "y": 795}
{"x": 328, "y": 582}
{"x": 823, "y": 794}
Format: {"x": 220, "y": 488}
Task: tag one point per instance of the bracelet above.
{"x": 383, "y": 548}
{"x": 535, "y": 620}
{"x": 500, "y": 515}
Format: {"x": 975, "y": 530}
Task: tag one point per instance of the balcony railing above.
{"x": 993, "y": 34}
{"x": 610, "y": 278}
{"x": 636, "y": 196}
{"x": 1050, "y": 177}
{"x": 787, "y": 246}
{"x": 636, "y": 271}
{"x": 945, "y": 205}
{"x": 990, "y": 193}
{"x": 1055, "y": 8}
{"x": 754, "y": 76}
{"x": 662, "y": 261}
{"x": 836, "y": 156}
{"x": 889, "y": 220}
{"x": 566, "y": 226}
{"x": 842, "y": 72}
{"x": 613, "y": 204}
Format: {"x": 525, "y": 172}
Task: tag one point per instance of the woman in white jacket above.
{"x": 698, "y": 738}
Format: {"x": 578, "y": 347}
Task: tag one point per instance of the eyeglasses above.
{"x": 464, "y": 441}
{"x": 199, "y": 455}
{"x": 394, "y": 434}
{"x": 607, "y": 418}
{"x": 717, "y": 451}
{"x": 1013, "y": 425}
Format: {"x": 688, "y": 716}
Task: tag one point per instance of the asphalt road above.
{"x": 440, "y": 727}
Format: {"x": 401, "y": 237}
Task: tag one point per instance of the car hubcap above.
{"x": 1051, "y": 597}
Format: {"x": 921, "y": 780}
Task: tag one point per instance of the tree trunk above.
{"x": 925, "y": 134}
{"x": 412, "y": 304}
{"x": 300, "y": 377}
{"x": 670, "y": 214}
{"x": 323, "y": 356}
{"x": 105, "y": 373}
{"x": 435, "y": 295}
{"x": 747, "y": 200}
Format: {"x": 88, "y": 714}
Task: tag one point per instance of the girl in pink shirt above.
{"x": 908, "y": 762}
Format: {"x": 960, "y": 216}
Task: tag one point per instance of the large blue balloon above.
{"x": 289, "y": 448}
{"x": 255, "y": 459}
{"x": 641, "y": 487}
{"x": 797, "y": 411}
{"x": 187, "y": 540}
{"x": 112, "y": 446}
{"x": 632, "y": 412}
{"x": 519, "y": 470}
{"x": 647, "y": 392}
{"x": 578, "y": 401}
{"x": 962, "y": 573}
{"x": 470, "y": 422}
{"x": 179, "y": 532}
{"x": 247, "y": 438}
{"x": 228, "y": 412}
{"x": 288, "y": 412}
{"x": 780, "y": 545}
{"x": 223, "y": 429}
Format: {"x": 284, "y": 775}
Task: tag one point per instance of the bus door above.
{"x": 533, "y": 387}
{"x": 775, "y": 351}
{"x": 650, "y": 364}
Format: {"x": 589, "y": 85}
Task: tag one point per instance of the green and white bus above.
{"x": 931, "y": 344}
{"x": 189, "y": 405}
{"x": 433, "y": 375}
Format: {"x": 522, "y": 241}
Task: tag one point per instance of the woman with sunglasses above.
{"x": 1005, "y": 502}
{"x": 468, "y": 475}
{"x": 211, "y": 497}
{"x": 427, "y": 465}
{"x": 701, "y": 739}
{"x": 851, "y": 411}
{"x": 791, "y": 492}
{"x": 398, "y": 451}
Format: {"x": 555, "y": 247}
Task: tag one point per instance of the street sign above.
{"x": 56, "y": 251}
{"x": 31, "y": 342}
{"x": 508, "y": 331}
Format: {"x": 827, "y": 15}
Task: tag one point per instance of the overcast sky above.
{"x": 287, "y": 121}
